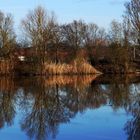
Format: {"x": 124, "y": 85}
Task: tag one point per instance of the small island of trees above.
{"x": 48, "y": 48}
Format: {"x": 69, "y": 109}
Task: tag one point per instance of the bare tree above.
{"x": 39, "y": 26}
{"x": 54, "y": 36}
{"x": 34, "y": 26}
{"x": 115, "y": 42}
{"x": 133, "y": 12}
{"x": 74, "y": 33}
{"x": 116, "y": 32}
{"x": 126, "y": 42}
{"x": 7, "y": 35}
{"x": 95, "y": 36}
{"x": 92, "y": 33}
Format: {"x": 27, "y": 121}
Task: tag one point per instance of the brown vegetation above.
{"x": 6, "y": 67}
{"x": 70, "y": 80}
{"x": 81, "y": 67}
{"x": 7, "y": 84}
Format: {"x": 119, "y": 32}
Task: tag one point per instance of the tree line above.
{"x": 113, "y": 51}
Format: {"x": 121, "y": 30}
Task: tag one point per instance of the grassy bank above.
{"x": 74, "y": 68}
{"x": 6, "y": 67}
{"x": 77, "y": 67}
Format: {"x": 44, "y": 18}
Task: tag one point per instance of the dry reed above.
{"x": 75, "y": 68}
{"x": 70, "y": 80}
{"x": 6, "y": 67}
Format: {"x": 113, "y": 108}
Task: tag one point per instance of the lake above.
{"x": 70, "y": 108}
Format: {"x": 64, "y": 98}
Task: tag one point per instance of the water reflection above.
{"x": 7, "y": 107}
{"x": 132, "y": 127}
{"x": 46, "y": 103}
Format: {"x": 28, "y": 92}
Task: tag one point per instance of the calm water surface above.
{"x": 70, "y": 108}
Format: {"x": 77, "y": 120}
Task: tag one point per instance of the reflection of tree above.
{"x": 47, "y": 112}
{"x": 117, "y": 90}
{"x": 53, "y": 104}
{"x": 47, "y": 103}
{"x": 119, "y": 95}
{"x": 132, "y": 127}
{"x": 81, "y": 98}
{"x": 7, "y": 109}
{"x": 97, "y": 96}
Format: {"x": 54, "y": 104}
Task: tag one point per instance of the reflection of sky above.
{"x": 98, "y": 124}
{"x": 13, "y": 132}
{"x": 97, "y": 11}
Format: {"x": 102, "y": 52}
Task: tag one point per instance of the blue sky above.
{"x": 101, "y": 12}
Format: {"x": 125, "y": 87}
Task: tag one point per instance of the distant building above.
{"x": 21, "y": 58}
{"x": 21, "y": 54}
